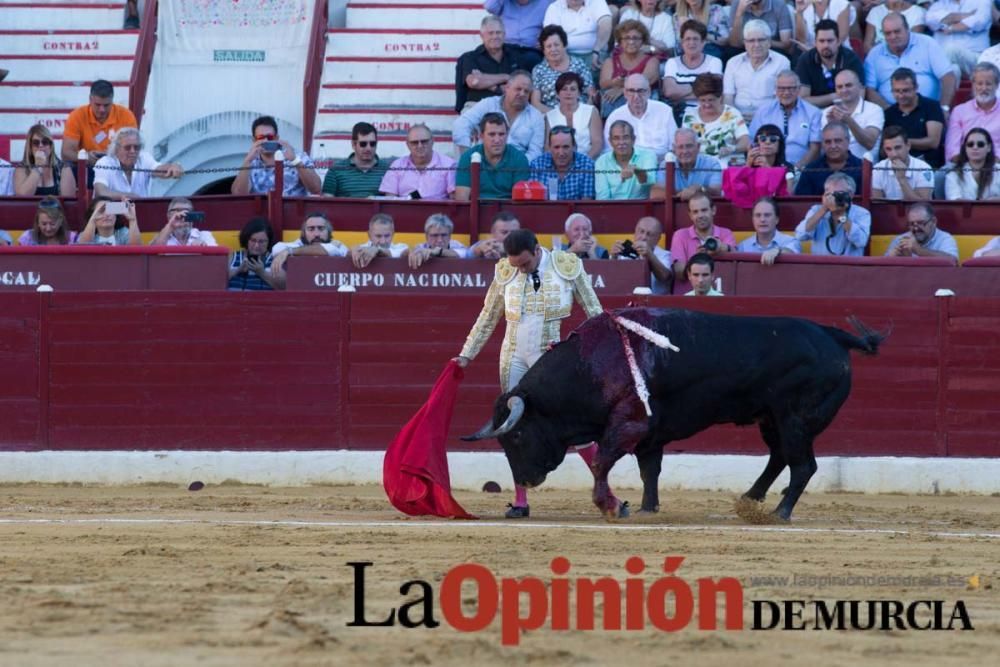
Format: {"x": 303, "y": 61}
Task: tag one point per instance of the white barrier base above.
{"x": 470, "y": 470}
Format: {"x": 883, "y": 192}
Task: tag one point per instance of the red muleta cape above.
{"x": 415, "y": 469}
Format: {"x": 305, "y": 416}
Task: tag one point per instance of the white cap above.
{"x": 642, "y": 291}
{"x": 476, "y": 157}
{"x": 944, "y": 292}
{"x": 346, "y": 288}
{"x": 279, "y": 155}
{"x": 44, "y": 288}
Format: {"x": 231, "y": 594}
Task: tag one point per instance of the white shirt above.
{"x": 580, "y": 24}
{"x": 752, "y": 88}
{"x": 462, "y": 251}
{"x": 654, "y": 131}
{"x": 991, "y": 55}
{"x": 197, "y": 237}
{"x": 993, "y": 244}
{"x": 976, "y": 38}
{"x": 6, "y": 179}
{"x": 395, "y": 249}
{"x": 961, "y": 184}
{"x": 682, "y": 74}
{"x": 919, "y": 174}
{"x": 660, "y": 27}
{"x": 108, "y": 172}
{"x": 333, "y": 248}
{"x": 866, "y": 114}
{"x": 833, "y": 10}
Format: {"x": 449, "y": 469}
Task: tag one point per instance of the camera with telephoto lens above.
{"x": 711, "y": 244}
{"x": 842, "y": 198}
{"x": 628, "y": 250}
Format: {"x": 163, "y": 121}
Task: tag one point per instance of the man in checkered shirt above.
{"x": 574, "y": 171}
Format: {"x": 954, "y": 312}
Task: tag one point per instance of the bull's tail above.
{"x": 865, "y": 339}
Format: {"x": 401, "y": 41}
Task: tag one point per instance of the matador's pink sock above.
{"x": 520, "y": 496}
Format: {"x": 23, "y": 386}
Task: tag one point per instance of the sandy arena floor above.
{"x": 242, "y": 575}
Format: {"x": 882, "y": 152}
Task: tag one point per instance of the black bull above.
{"x": 789, "y": 376}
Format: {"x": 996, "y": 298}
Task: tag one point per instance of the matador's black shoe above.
{"x": 517, "y": 512}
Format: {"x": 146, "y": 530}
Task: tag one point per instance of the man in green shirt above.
{"x": 360, "y": 174}
{"x": 502, "y": 166}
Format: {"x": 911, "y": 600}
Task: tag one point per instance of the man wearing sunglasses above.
{"x": 799, "y": 121}
{"x": 256, "y": 174}
{"x": 360, "y": 174}
{"x": 127, "y": 171}
{"x": 563, "y": 166}
{"x": 424, "y": 173}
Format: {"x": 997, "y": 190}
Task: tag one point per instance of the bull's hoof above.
{"x": 753, "y": 512}
{"x": 621, "y": 511}
{"x": 515, "y": 512}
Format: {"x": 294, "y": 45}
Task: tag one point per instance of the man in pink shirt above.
{"x": 981, "y": 111}
{"x": 702, "y": 236}
{"x": 424, "y": 173}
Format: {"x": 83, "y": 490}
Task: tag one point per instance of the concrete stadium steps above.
{"x": 391, "y": 43}
{"x": 17, "y": 121}
{"x": 69, "y": 42}
{"x": 337, "y": 145}
{"x": 386, "y": 94}
{"x": 12, "y": 145}
{"x": 72, "y": 15}
{"x": 369, "y": 69}
{"x": 54, "y": 94}
{"x": 66, "y": 67}
{"x": 417, "y": 14}
{"x": 342, "y": 119}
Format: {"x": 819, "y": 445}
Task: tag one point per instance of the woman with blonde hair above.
{"x": 41, "y": 172}
{"x": 632, "y": 36}
{"x": 50, "y": 226}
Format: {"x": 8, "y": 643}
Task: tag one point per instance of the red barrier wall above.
{"x": 271, "y": 371}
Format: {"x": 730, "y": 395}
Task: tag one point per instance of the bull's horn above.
{"x": 516, "y": 405}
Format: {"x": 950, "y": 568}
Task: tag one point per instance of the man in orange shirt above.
{"x": 90, "y": 127}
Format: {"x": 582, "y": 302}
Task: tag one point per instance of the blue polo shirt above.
{"x": 923, "y": 55}
{"x": 800, "y": 127}
{"x": 707, "y": 172}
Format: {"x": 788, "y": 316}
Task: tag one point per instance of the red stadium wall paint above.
{"x": 273, "y": 371}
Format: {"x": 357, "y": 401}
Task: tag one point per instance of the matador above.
{"x": 534, "y": 290}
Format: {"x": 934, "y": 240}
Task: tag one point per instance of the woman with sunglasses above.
{"x": 50, "y": 226}
{"x": 975, "y": 174}
{"x": 557, "y": 62}
{"x": 768, "y": 148}
{"x": 105, "y": 228}
{"x": 41, "y": 171}
{"x": 632, "y": 37}
{"x": 572, "y": 113}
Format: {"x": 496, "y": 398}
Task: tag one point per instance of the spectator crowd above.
{"x": 748, "y": 100}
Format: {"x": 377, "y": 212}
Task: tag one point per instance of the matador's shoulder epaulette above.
{"x": 504, "y": 272}
{"x": 566, "y": 264}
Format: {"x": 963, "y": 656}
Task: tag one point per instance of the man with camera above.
{"x": 836, "y": 226}
{"x": 580, "y": 233}
{"x": 256, "y": 173}
{"x": 703, "y": 236}
{"x": 645, "y": 245}
{"x": 180, "y": 229}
